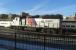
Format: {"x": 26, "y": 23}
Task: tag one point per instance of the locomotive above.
{"x": 46, "y": 23}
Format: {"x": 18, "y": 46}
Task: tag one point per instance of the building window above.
{"x": 67, "y": 25}
{"x": 72, "y": 26}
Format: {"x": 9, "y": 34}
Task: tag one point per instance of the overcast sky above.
{"x": 64, "y": 7}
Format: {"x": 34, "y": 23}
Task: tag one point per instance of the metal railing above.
{"x": 24, "y": 40}
{"x": 47, "y": 40}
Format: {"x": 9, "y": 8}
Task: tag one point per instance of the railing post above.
{"x": 15, "y": 39}
{"x": 44, "y": 42}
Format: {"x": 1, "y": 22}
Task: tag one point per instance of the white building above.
{"x": 69, "y": 24}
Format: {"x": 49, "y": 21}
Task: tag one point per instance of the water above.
{"x": 2, "y": 49}
{"x": 24, "y": 46}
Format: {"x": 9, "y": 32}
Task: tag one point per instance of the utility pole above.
{"x": 10, "y": 16}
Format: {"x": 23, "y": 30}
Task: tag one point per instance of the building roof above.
{"x": 69, "y": 20}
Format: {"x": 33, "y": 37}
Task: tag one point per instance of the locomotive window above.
{"x": 67, "y": 25}
{"x": 72, "y": 26}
